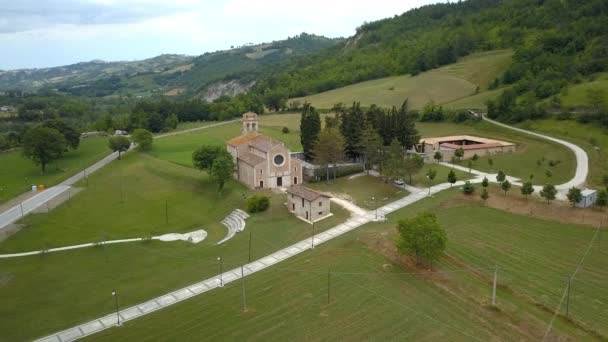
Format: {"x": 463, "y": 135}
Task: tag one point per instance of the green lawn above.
{"x": 477, "y": 101}
{"x": 421, "y": 180}
{"x": 443, "y": 85}
{"x": 522, "y": 163}
{"x": 372, "y": 295}
{"x": 43, "y": 294}
{"x": 587, "y": 136}
{"x": 18, "y": 174}
{"x": 360, "y": 190}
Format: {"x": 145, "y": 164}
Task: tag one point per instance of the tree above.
{"x": 43, "y": 145}
{"x": 485, "y": 182}
{"x": 468, "y": 188}
{"x": 527, "y": 189}
{"x": 221, "y": 169}
{"x": 459, "y": 153}
{"x": 143, "y": 138}
{"x": 548, "y": 192}
{"x": 475, "y": 157}
{"x": 372, "y": 147}
{"x": 203, "y": 157}
{"x": 329, "y": 149}
{"x": 602, "y": 198}
{"x": 413, "y": 164}
{"x": 490, "y": 162}
{"x": 394, "y": 163}
{"x": 451, "y": 177}
{"x": 484, "y": 195}
{"x": 422, "y": 237}
{"x": 574, "y": 195}
{"x": 500, "y": 177}
{"x": 310, "y": 126}
{"x": 119, "y": 144}
{"x": 70, "y": 134}
{"x": 438, "y": 156}
{"x": 470, "y": 165}
{"x": 352, "y": 125}
{"x": 505, "y": 186}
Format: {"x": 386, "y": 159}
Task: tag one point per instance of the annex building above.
{"x": 260, "y": 161}
{"x": 471, "y": 145}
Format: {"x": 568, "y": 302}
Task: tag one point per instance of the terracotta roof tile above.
{"x": 251, "y": 159}
{"x": 243, "y": 139}
{"x": 304, "y": 192}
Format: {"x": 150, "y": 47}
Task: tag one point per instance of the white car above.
{"x": 398, "y": 182}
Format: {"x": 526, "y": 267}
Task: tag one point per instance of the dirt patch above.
{"x": 534, "y": 206}
{"x": 175, "y": 91}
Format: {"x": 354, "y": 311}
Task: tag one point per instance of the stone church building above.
{"x": 262, "y": 162}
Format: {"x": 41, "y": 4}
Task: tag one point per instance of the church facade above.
{"x": 262, "y": 162}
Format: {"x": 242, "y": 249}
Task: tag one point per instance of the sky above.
{"x": 44, "y": 33}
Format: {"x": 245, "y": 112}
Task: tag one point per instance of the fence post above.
{"x": 328, "y": 285}
{"x": 494, "y": 286}
{"x": 244, "y": 291}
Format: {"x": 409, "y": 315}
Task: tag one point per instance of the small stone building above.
{"x": 262, "y": 162}
{"x": 471, "y": 145}
{"x": 307, "y": 204}
{"x": 588, "y": 200}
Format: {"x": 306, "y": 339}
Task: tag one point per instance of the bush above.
{"x": 258, "y": 204}
{"x": 285, "y": 130}
{"x": 468, "y": 188}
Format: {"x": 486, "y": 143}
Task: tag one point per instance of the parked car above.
{"x": 398, "y": 182}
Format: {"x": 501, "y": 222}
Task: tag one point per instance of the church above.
{"x": 262, "y": 162}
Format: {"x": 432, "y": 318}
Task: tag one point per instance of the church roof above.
{"x": 304, "y": 192}
{"x": 251, "y": 159}
{"x": 241, "y": 139}
{"x": 264, "y": 143}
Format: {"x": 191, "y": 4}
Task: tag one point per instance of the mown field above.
{"x": 451, "y": 85}
{"x": 373, "y": 293}
{"x": 587, "y": 136}
{"x": 576, "y": 95}
{"x": 45, "y": 293}
{"x": 18, "y": 174}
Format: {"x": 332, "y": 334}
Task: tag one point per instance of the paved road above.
{"x": 582, "y": 160}
{"x": 16, "y": 212}
{"x": 139, "y": 310}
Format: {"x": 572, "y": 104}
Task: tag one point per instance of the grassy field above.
{"x": 375, "y": 294}
{"x": 576, "y": 95}
{"x": 587, "y": 136}
{"x": 451, "y": 83}
{"x": 477, "y": 101}
{"x": 360, "y": 190}
{"x": 46, "y": 293}
{"x": 18, "y": 174}
{"x": 524, "y": 162}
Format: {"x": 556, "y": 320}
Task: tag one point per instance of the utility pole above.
{"x": 494, "y": 286}
{"x": 568, "y": 297}
{"x": 221, "y": 271}
{"x": 328, "y": 286}
{"x": 249, "y": 259}
{"x": 21, "y": 206}
{"x": 244, "y": 293}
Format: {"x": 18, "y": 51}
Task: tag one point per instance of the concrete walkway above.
{"x": 18, "y": 211}
{"x": 139, "y": 310}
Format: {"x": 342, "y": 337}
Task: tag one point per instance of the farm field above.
{"x": 587, "y": 136}
{"x": 373, "y": 291}
{"x": 18, "y": 174}
{"x": 446, "y": 84}
{"x": 140, "y": 270}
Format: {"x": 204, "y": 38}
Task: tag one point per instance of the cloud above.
{"x": 26, "y": 15}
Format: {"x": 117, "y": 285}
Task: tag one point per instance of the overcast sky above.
{"x": 42, "y": 33}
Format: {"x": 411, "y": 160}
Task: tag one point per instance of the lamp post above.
{"x": 375, "y": 207}
{"x": 115, "y": 295}
{"x": 221, "y": 271}
{"x": 312, "y": 238}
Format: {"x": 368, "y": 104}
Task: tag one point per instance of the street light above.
{"x": 375, "y": 206}
{"x": 312, "y": 238}
{"x": 115, "y": 295}
{"x": 221, "y": 271}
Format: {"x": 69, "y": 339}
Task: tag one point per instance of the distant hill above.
{"x": 239, "y": 67}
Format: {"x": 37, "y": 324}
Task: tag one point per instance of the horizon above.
{"x": 65, "y": 32}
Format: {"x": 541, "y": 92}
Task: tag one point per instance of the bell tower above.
{"x": 250, "y": 123}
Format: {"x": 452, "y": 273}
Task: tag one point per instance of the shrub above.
{"x": 468, "y": 188}
{"x": 258, "y": 204}
{"x": 285, "y": 130}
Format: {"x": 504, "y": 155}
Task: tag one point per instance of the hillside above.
{"x": 455, "y": 85}
{"x": 167, "y": 74}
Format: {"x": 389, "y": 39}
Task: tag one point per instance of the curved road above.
{"x": 582, "y": 160}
